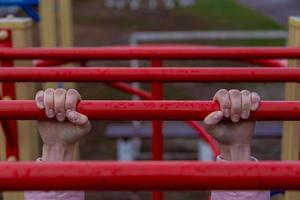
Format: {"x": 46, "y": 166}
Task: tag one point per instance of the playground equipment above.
{"x": 282, "y": 175}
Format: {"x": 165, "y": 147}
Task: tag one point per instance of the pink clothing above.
{"x": 54, "y": 195}
{"x": 239, "y": 195}
{"x": 216, "y": 195}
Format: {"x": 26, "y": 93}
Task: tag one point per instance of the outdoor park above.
{"x": 136, "y": 63}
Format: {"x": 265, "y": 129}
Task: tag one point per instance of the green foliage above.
{"x": 230, "y": 15}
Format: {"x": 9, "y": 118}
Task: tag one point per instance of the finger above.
{"x": 213, "y": 119}
{"x": 59, "y": 104}
{"x": 39, "y": 99}
{"x": 236, "y": 105}
{"x": 255, "y": 101}
{"x": 80, "y": 120}
{"x": 72, "y": 98}
{"x": 49, "y": 102}
{"x": 246, "y": 104}
{"x": 222, "y": 96}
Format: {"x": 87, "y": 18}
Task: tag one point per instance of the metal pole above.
{"x": 148, "y": 52}
{"x": 150, "y": 110}
{"x": 174, "y": 74}
{"x": 149, "y": 175}
{"x": 157, "y": 127}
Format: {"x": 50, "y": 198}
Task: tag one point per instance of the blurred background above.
{"x": 133, "y": 22}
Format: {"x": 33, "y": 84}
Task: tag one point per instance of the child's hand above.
{"x": 235, "y": 105}
{"x": 69, "y": 125}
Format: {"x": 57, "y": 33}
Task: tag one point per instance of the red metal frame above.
{"x": 131, "y": 90}
{"x": 173, "y": 74}
{"x": 149, "y": 175}
{"x": 10, "y": 128}
{"x": 150, "y": 53}
{"x": 157, "y": 127}
{"x": 150, "y": 110}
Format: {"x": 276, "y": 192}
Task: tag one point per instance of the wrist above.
{"x": 236, "y": 152}
{"x": 57, "y": 152}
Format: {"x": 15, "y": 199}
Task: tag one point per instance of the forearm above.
{"x": 236, "y": 152}
{"x": 55, "y": 153}
{"x": 241, "y": 152}
{"x": 58, "y": 152}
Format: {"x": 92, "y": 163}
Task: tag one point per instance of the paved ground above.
{"x": 279, "y": 10}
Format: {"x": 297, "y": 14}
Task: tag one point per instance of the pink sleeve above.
{"x": 54, "y": 195}
{"x": 239, "y": 195}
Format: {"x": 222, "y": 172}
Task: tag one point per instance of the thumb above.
{"x": 212, "y": 120}
{"x": 80, "y": 120}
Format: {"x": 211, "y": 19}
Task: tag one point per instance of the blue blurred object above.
{"x": 276, "y": 192}
{"x": 26, "y": 5}
{"x": 19, "y": 2}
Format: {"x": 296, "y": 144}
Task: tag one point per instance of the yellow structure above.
{"x": 291, "y": 136}
{"x": 21, "y": 29}
{"x": 56, "y": 30}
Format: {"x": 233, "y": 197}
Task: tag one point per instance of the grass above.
{"x": 230, "y": 15}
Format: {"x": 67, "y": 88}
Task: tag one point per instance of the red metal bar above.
{"x": 268, "y": 63}
{"x": 183, "y": 175}
{"x": 10, "y": 127}
{"x": 90, "y": 53}
{"x": 157, "y": 127}
{"x": 150, "y": 110}
{"x": 176, "y": 74}
{"x": 131, "y": 90}
{"x": 48, "y": 63}
{"x": 261, "y": 62}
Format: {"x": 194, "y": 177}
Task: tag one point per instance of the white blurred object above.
{"x": 135, "y": 4}
{"x": 170, "y": 4}
{"x": 186, "y": 3}
{"x": 120, "y": 4}
{"x": 110, "y": 3}
{"x": 152, "y": 4}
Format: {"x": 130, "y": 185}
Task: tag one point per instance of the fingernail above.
{"x": 235, "y": 118}
{"x": 73, "y": 116}
{"x": 245, "y": 115}
{"x": 226, "y": 112}
{"x": 51, "y": 113}
{"x": 217, "y": 116}
{"x": 60, "y": 117}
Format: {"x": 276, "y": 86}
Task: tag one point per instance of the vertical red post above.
{"x": 157, "y": 127}
{"x": 8, "y": 92}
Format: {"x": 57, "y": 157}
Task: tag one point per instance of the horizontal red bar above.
{"x": 150, "y": 110}
{"x": 182, "y": 175}
{"x": 95, "y": 74}
{"x": 89, "y": 53}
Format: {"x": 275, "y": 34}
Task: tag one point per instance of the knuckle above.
{"x": 245, "y": 93}
{"x": 234, "y": 92}
{"x": 72, "y": 92}
{"x": 49, "y": 91}
{"x": 222, "y": 92}
{"x": 60, "y": 91}
{"x": 39, "y": 94}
